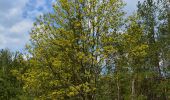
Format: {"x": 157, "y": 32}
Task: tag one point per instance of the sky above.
{"x": 17, "y": 18}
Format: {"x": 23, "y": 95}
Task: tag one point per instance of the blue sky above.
{"x": 17, "y": 17}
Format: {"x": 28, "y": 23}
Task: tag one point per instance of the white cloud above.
{"x": 16, "y": 36}
{"x": 12, "y": 23}
{"x": 11, "y": 12}
{"x": 21, "y": 27}
{"x": 16, "y": 20}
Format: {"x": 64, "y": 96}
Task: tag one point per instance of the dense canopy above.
{"x": 91, "y": 50}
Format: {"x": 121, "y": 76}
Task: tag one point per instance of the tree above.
{"x": 154, "y": 15}
{"x": 9, "y": 85}
{"x": 87, "y": 50}
{"x": 67, "y": 49}
{"x": 164, "y": 30}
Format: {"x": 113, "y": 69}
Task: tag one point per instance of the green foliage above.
{"x": 87, "y": 50}
{"x": 10, "y": 87}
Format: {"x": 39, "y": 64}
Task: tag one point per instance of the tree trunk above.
{"x": 118, "y": 90}
{"x": 133, "y": 89}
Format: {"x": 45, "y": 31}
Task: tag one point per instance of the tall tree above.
{"x": 67, "y": 48}
{"x": 164, "y": 30}
{"x": 154, "y": 15}
{"x": 148, "y": 12}
{"x": 9, "y": 85}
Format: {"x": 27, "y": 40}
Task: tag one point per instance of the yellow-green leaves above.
{"x": 69, "y": 48}
{"x": 140, "y": 51}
